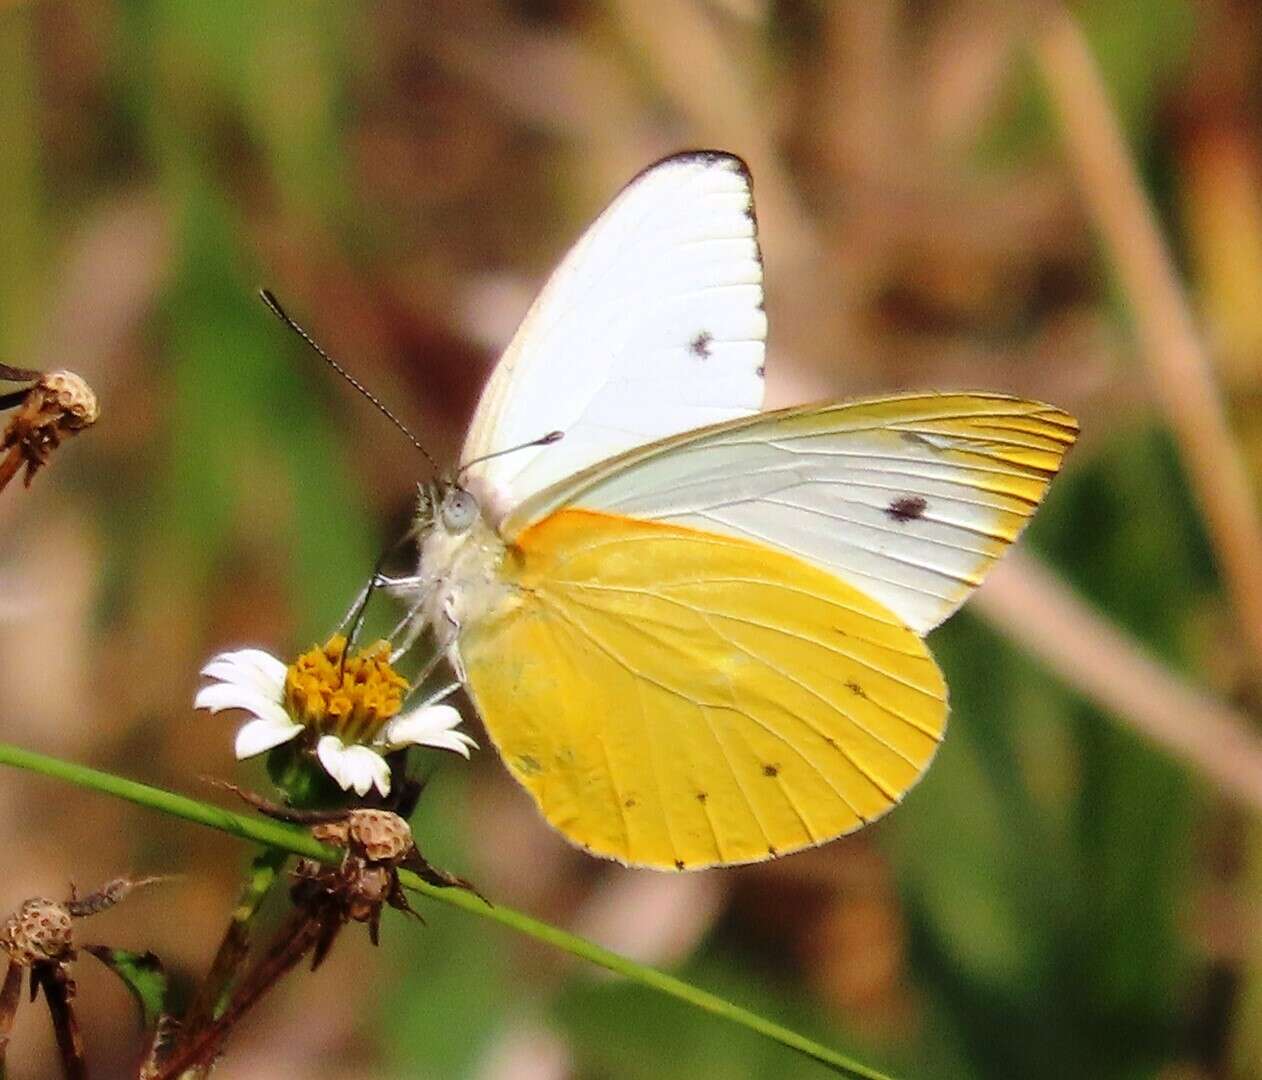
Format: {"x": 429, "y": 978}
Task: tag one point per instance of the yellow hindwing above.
{"x": 675, "y": 698}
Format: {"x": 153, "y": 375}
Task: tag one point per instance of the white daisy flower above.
{"x": 349, "y": 708}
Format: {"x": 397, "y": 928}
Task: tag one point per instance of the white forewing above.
{"x": 651, "y": 326}
{"x": 911, "y": 499}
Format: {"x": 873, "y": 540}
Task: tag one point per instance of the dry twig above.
{"x": 1098, "y": 659}
{"x": 1178, "y": 365}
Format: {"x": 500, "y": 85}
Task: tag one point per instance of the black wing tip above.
{"x": 709, "y": 157}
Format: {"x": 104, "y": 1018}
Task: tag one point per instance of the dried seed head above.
{"x": 38, "y": 931}
{"x": 377, "y": 836}
{"x": 380, "y": 836}
{"x": 371, "y": 888}
{"x": 58, "y": 405}
{"x": 333, "y": 833}
{"x": 68, "y": 393}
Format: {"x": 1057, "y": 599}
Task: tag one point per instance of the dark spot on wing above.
{"x": 679, "y": 864}
{"x": 701, "y": 797}
{"x": 629, "y": 804}
{"x": 906, "y": 508}
{"x": 771, "y": 770}
{"x": 856, "y": 689}
{"x": 529, "y": 765}
{"x": 771, "y": 850}
{"x": 700, "y": 345}
{"x": 762, "y": 371}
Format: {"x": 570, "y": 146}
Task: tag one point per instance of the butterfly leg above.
{"x": 410, "y": 627}
{"x": 361, "y": 598}
{"x": 457, "y": 665}
{"x": 396, "y": 586}
{"x": 410, "y": 588}
{"x": 452, "y": 639}
{"x": 419, "y": 679}
{"x": 403, "y": 587}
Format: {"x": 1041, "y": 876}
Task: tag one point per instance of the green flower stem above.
{"x": 212, "y": 997}
{"x": 276, "y": 834}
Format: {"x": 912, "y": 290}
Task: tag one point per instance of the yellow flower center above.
{"x": 351, "y": 697}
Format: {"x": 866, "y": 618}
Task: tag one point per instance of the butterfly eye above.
{"x": 459, "y": 510}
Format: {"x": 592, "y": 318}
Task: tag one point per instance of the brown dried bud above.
{"x": 59, "y": 404}
{"x": 333, "y": 833}
{"x": 372, "y": 888}
{"x": 377, "y": 836}
{"x": 38, "y": 931}
{"x": 380, "y": 836}
{"x": 67, "y": 393}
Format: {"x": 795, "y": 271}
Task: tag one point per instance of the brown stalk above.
{"x": 231, "y": 954}
{"x": 10, "y": 464}
{"x": 235, "y": 945}
{"x": 54, "y": 979}
{"x": 112, "y": 892}
{"x": 199, "y": 1049}
{"x": 1178, "y": 366}
{"x": 10, "y": 995}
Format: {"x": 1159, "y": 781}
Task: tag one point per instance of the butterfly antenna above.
{"x": 543, "y": 440}
{"x": 269, "y": 298}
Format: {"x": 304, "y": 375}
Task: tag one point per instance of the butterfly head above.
{"x": 447, "y": 506}
{"x": 458, "y": 509}
{"x": 473, "y": 494}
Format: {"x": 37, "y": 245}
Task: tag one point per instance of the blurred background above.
{"x": 1059, "y": 897}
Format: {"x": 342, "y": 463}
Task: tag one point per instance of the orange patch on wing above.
{"x": 673, "y": 698}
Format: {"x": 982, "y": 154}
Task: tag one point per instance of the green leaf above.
{"x": 143, "y": 975}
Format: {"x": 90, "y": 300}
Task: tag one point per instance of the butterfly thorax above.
{"x": 461, "y": 553}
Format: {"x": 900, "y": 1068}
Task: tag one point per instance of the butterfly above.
{"x": 695, "y": 630}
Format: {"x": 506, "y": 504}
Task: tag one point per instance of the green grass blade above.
{"x": 277, "y": 835}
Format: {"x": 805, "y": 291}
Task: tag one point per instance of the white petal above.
{"x": 430, "y": 725}
{"x": 250, "y": 667}
{"x": 456, "y": 741}
{"x": 371, "y": 768}
{"x": 230, "y": 696}
{"x": 260, "y": 735}
{"x": 354, "y": 767}
{"x": 226, "y": 671}
{"x": 330, "y": 752}
{"x": 265, "y": 664}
